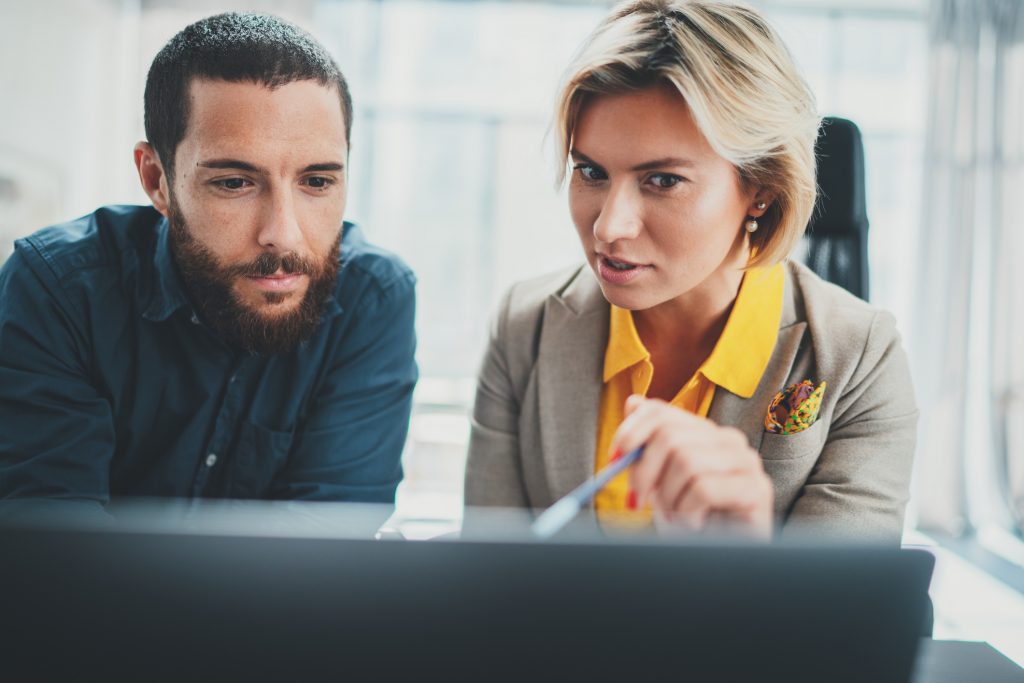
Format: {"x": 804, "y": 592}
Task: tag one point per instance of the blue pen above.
{"x": 554, "y": 519}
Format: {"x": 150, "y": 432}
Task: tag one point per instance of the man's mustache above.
{"x": 268, "y": 264}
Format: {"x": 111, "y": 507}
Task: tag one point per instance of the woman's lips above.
{"x": 618, "y": 276}
{"x": 278, "y": 282}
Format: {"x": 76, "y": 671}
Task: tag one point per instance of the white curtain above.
{"x": 969, "y": 330}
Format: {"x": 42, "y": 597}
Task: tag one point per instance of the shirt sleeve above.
{"x": 860, "y": 484}
{"x": 56, "y": 429}
{"x": 350, "y": 446}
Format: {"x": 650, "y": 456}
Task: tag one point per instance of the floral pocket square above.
{"x": 795, "y": 408}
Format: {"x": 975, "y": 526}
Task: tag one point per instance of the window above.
{"x": 451, "y": 170}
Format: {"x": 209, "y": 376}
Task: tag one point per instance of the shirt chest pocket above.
{"x": 262, "y": 454}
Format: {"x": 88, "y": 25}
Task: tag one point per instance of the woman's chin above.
{"x": 631, "y": 300}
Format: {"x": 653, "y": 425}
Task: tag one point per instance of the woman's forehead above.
{"x": 639, "y": 125}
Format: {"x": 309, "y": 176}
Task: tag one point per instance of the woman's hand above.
{"x": 693, "y": 470}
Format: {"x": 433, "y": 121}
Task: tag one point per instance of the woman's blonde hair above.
{"x": 740, "y": 84}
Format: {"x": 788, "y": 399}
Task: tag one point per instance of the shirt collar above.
{"x": 743, "y": 350}
{"x": 166, "y": 294}
{"x": 748, "y": 340}
{"x": 624, "y": 346}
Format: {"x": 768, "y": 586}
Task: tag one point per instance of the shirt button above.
{"x": 195, "y": 319}
{"x": 211, "y": 459}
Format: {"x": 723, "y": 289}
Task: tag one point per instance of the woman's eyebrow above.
{"x": 667, "y": 162}
{"x": 576, "y": 154}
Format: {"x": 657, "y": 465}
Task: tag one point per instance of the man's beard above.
{"x": 209, "y": 286}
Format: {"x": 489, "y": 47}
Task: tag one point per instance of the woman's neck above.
{"x": 692, "y": 323}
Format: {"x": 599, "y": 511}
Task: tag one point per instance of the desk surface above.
{"x": 953, "y": 661}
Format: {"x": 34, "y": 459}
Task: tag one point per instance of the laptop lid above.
{"x": 176, "y": 606}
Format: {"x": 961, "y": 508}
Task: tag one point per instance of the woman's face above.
{"x": 660, "y": 214}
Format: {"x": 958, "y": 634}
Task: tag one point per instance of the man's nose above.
{"x": 621, "y": 215}
{"x": 279, "y": 230}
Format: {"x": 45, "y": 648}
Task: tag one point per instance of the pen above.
{"x": 554, "y": 519}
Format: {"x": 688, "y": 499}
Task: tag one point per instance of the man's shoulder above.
{"x": 366, "y": 265}
{"x": 92, "y": 242}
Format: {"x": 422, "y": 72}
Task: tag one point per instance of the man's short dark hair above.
{"x": 235, "y": 47}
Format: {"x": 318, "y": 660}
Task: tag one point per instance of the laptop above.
{"x": 136, "y": 604}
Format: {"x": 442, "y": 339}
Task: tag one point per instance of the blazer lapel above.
{"x": 569, "y": 367}
{"x": 747, "y": 414}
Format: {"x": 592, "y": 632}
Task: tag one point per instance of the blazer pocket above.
{"x": 794, "y": 446}
{"x": 262, "y": 454}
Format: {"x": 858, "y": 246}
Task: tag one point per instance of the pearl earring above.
{"x": 751, "y": 225}
{"x": 761, "y": 206}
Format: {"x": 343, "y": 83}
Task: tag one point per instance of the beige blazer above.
{"x": 534, "y": 425}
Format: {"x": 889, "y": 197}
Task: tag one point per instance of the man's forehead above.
{"x": 301, "y": 117}
{"x": 200, "y": 82}
{"x": 212, "y": 94}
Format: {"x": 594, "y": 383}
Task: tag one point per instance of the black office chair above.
{"x": 837, "y": 235}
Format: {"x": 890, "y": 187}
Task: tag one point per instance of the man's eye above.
{"x": 231, "y": 183}
{"x": 590, "y": 172}
{"x": 665, "y": 181}
{"x": 319, "y": 182}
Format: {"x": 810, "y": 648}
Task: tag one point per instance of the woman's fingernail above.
{"x": 616, "y": 454}
{"x": 631, "y": 500}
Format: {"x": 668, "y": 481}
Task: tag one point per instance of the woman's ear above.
{"x": 762, "y": 200}
{"x": 151, "y": 175}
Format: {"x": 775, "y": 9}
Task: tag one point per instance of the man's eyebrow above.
{"x": 230, "y": 163}
{"x": 327, "y": 166}
{"x": 237, "y": 164}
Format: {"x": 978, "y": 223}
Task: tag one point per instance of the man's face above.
{"x": 256, "y": 208}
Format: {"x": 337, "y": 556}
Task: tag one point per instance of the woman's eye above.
{"x": 665, "y": 181}
{"x": 590, "y": 172}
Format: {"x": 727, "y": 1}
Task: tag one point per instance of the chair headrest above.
{"x": 841, "y": 207}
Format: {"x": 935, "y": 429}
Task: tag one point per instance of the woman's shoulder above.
{"x": 519, "y": 321}
{"x": 837, "y": 320}
{"x": 524, "y": 302}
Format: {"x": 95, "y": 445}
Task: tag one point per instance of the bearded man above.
{"x": 237, "y": 339}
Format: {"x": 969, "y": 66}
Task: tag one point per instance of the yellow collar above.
{"x": 743, "y": 350}
{"x": 624, "y": 346}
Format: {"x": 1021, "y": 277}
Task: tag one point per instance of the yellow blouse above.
{"x": 735, "y": 364}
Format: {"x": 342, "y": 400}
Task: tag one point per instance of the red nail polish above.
{"x": 616, "y": 454}
{"x": 631, "y": 500}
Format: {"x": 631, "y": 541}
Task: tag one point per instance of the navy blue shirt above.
{"x": 111, "y": 386}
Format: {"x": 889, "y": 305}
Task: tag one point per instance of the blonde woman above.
{"x": 763, "y": 395}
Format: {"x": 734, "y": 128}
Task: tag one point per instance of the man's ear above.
{"x": 151, "y": 175}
